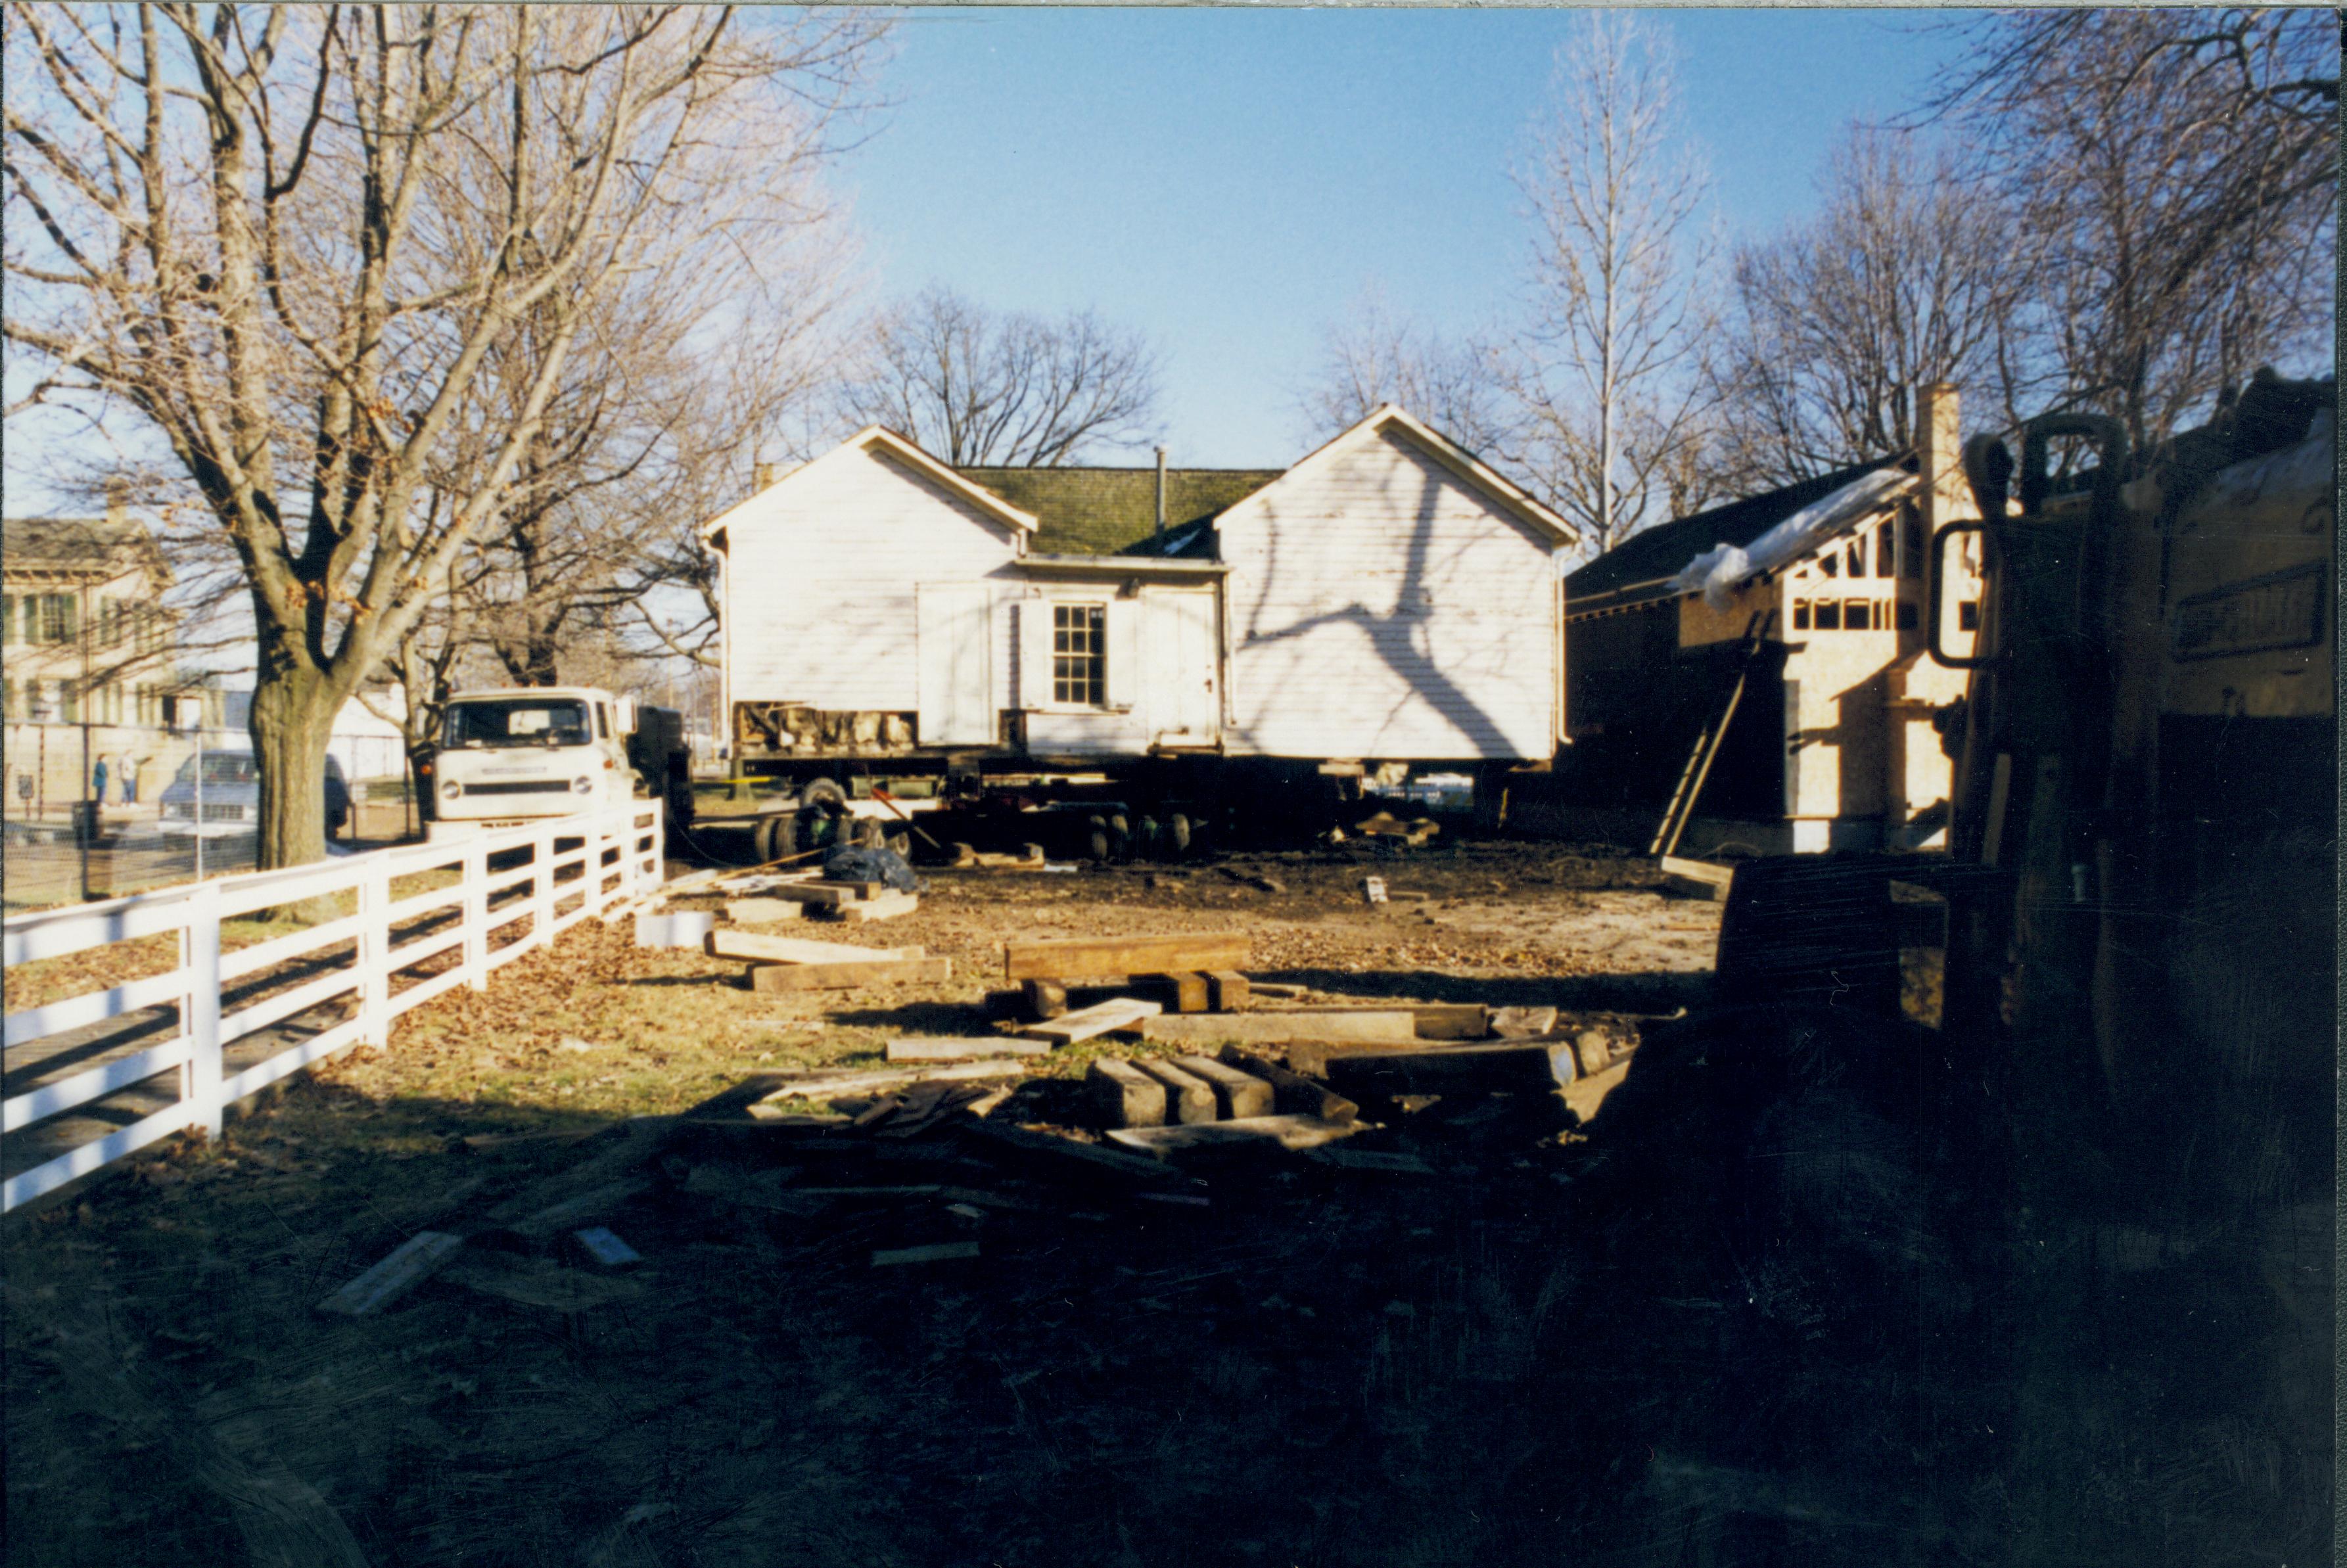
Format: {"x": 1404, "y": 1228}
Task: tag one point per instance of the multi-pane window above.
{"x": 58, "y": 621}
{"x": 1801, "y": 615}
{"x": 8, "y": 620}
{"x": 1828, "y": 615}
{"x": 1079, "y": 654}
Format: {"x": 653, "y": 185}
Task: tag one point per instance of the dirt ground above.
{"x": 1514, "y": 1354}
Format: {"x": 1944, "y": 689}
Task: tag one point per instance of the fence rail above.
{"x": 342, "y": 979}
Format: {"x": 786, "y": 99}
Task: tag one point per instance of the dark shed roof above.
{"x": 1667, "y": 548}
{"x": 1113, "y": 511}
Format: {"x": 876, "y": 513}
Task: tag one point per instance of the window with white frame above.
{"x": 1080, "y": 654}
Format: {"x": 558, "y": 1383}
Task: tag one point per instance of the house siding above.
{"x": 1380, "y": 607}
{"x": 823, "y": 571}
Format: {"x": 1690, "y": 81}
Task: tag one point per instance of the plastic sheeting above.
{"x": 1720, "y": 571}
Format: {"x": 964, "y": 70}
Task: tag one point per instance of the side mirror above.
{"x": 623, "y": 715}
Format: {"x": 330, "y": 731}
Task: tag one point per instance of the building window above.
{"x": 8, "y": 620}
{"x": 60, "y": 622}
{"x": 1830, "y": 563}
{"x": 1801, "y": 615}
{"x": 1968, "y": 615}
{"x": 1080, "y": 654}
{"x": 1828, "y": 615}
{"x": 1856, "y": 550}
{"x": 68, "y": 702}
{"x": 1885, "y": 561}
{"x": 1906, "y": 612}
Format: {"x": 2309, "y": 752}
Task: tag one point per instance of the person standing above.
{"x": 130, "y": 780}
{"x": 97, "y": 782}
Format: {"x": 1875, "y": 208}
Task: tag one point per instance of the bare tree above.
{"x": 1604, "y": 367}
{"x": 1374, "y": 356}
{"x": 289, "y": 240}
{"x": 985, "y": 389}
{"x": 1907, "y": 277}
{"x": 2170, "y": 175}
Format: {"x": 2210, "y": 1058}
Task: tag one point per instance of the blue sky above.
{"x": 1229, "y": 180}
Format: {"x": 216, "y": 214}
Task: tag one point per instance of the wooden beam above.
{"x": 1452, "y": 1070}
{"x": 1190, "y": 1098}
{"x": 1185, "y": 990}
{"x": 953, "y": 1049}
{"x": 829, "y": 1085}
{"x": 1258, "y": 1132}
{"x": 1236, "y": 1094}
{"x": 798, "y": 950}
{"x": 1383, "y": 1028}
{"x": 1045, "y": 999}
{"x": 1077, "y": 957}
{"x": 763, "y": 911}
{"x": 1121, "y": 1095}
{"x": 1227, "y": 991}
{"x": 409, "y": 1265}
{"x": 771, "y": 977}
{"x": 1292, "y": 1094}
{"x": 1123, "y": 1012}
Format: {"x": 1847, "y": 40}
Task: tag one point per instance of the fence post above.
{"x": 200, "y": 947}
{"x": 375, "y": 954}
{"x": 541, "y": 887}
{"x": 477, "y": 915}
{"x": 599, "y": 837}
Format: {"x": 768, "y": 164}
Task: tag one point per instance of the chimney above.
{"x": 1938, "y": 445}
{"x": 117, "y": 501}
{"x": 1160, "y": 493}
{"x": 762, "y": 475}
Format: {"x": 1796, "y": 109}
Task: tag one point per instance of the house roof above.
{"x": 78, "y": 545}
{"x": 1652, "y": 555}
{"x": 881, "y": 440}
{"x": 1113, "y": 511}
{"x": 1389, "y": 419}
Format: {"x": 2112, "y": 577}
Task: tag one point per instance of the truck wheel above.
{"x": 766, "y": 838}
{"x": 1098, "y": 845}
{"x": 1177, "y": 836}
{"x": 899, "y": 845}
{"x": 1120, "y": 837}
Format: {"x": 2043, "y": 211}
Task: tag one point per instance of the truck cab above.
{"x": 520, "y": 755}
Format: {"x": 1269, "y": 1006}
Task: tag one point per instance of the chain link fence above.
{"x": 101, "y": 811}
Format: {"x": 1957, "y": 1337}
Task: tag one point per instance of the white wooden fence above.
{"x": 552, "y": 874}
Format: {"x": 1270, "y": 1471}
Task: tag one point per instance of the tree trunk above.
{"x": 293, "y": 709}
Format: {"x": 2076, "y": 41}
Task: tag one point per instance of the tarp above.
{"x": 1720, "y": 571}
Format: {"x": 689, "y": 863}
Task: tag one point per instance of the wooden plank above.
{"x": 1384, "y": 1028}
{"x": 763, "y": 950}
{"x": 1236, "y": 1094}
{"x": 1292, "y": 1094}
{"x": 540, "y": 1282}
{"x": 830, "y": 1085}
{"x": 823, "y": 890}
{"x": 605, "y": 1247}
{"x": 1091, "y": 1159}
{"x": 1044, "y": 999}
{"x": 1227, "y": 991}
{"x": 960, "y": 1049}
{"x": 880, "y": 906}
{"x": 1075, "y": 957}
{"x": 1189, "y": 1098}
{"x": 1258, "y": 1132}
{"x": 1435, "y": 1021}
{"x": 1372, "y": 1160}
{"x": 1123, "y": 1012}
{"x": 1121, "y": 1095}
{"x": 1523, "y": 1023}
{"x": 408, "y": 1266}
{"x": 763, "y": 911}
{"x": 939, "y": 1252}
{"x": 776, "y": 977}
{"x": 643, "y": 1141}
{"x": 592, "y": 1204}
{"x": 1700, "y": 878}
{"x": 1186, "y": 990}
{"x": 1586, "y": 1096}
{"x": 1453, "y": 1070}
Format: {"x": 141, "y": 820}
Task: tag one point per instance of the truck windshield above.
{"x": 515, "y": 722}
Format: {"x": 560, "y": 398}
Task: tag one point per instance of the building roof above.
{"x": 1388, "y": 419}
{"x": 1652, "y": 555}
{"x": 882, "y": 441}
{"x": 78, "y": 546}
{"x": 1113, "y": 511}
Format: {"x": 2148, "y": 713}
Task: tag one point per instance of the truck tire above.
{"x": 1120, "y": 837}
{"x": 822, "y": 810}
{"x": 1099, "y": 841}
{"x": 1177, "y": 836}
{"x": 766, "y": 839}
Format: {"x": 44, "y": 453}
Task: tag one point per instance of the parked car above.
{"x": 231, "y": 803}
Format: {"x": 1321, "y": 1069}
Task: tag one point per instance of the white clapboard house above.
{"x": 1387, "y": 598}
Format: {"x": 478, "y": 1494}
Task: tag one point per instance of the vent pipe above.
{"x": 1161, "y": 493}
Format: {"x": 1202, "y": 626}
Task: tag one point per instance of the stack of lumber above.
{"x": 792, "y": 964}
{"x": 821, "y": 900}
{"x": 1165, "y": 1107}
